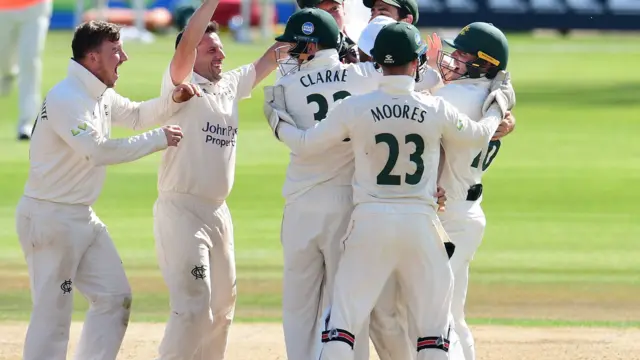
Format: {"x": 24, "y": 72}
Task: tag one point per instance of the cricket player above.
{"x": 480, "y": 51}
{"x": 64, "y": 242}
{"x": 192, "y": 224}
{"x": 318, "y": 187}
{"x": 23, "y": 30}
{"x": 395, "y": 135}
{"x": 346, "y": 48}
{"x": 468, "y": 76}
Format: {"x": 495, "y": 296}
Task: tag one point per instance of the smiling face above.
{"x": 336, "y": 10}
{"x": 454, "y": 66}
{"x": 209, "y": 58}
{"x": 106, "y": 60}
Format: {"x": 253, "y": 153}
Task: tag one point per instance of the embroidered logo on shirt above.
{"x": 79, "y": 129}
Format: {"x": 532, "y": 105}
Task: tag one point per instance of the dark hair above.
{"x": 212, "y": 27}
{"x": 90, "y": 35}
{"x": 403, "y": 13}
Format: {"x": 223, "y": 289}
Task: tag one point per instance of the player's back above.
{"x": 396, "y": 144}
{"x": 464, "y": 165}
{"x": 310, "y": 93}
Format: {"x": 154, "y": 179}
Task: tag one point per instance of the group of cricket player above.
{"x": 389, "y": 136}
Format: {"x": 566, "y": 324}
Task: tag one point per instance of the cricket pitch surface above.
{"x": 265, "y": 342}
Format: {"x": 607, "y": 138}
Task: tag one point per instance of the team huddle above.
{"x": 389, "y": 138}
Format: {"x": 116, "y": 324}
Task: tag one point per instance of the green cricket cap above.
{"x": 411, "y": 6}
{"x": 314, "y": 3}
{"x": 311, "y": 25}
{"x": 485, "y": 41}
{"x": 398, "y": 44}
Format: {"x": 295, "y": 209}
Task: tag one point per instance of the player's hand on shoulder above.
{"x": 184, "y": 92}
{"x": 173, "y": 134}
{"x": 507, "y": 125}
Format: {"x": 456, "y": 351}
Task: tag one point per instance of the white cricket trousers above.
{"x": 312, "y": 229}
{"x": 22, "y": 38}
{"x": 392, "y": 239}
{"x": 464, "y": 221}
{"x": 67, "y": 247}
{"x": 194, "y": 246}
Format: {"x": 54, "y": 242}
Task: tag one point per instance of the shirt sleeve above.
{"x": 75, "y": 126}
{"x": 460, "y": 128}
{"x": 167, "y": 84}
{"x": 243, "y": 78}
{"x": 141, "y": 115}
{"x": 328, "y": 132}
{"x": 429, "y": 81}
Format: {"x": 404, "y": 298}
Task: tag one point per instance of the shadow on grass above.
{"x": 561, "y": 94}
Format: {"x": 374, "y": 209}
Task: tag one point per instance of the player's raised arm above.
{"x": 74, "y": 125}
{"x": 328, "y": 132}
{"x": 266, "y": 63}
{"x": 185, "y": 55}
{"x": 141, "y": 115}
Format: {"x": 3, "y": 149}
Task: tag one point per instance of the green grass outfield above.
{"x": 563, "y": 237}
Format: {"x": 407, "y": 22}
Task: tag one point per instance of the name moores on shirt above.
{"x": 220, "y": 135}
{"x": 398, "y": 112}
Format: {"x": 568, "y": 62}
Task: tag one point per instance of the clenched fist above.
{"x": 442, "y": 198}
{"x": 173, "y": 134}
{"x": 184, "y": 92}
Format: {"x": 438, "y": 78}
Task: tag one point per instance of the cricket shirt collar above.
{"x": 322, "y": 58}
{"x": 482, "y": 82}
{"x": 201, "y": 80}
{"x": 397, "y": 84}
{"x": 94, "y": 86}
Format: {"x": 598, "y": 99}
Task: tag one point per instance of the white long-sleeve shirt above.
{"x": 395, "y": 137}
{"x": 464, "y": 165}
{"x": 70, "y": 146}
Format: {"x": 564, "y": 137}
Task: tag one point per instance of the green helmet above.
{"x": 409, "y": 6}
{"x": 486, "y": 42}
{"x": 311, "y": 25}
{"x": 398, "y": 44}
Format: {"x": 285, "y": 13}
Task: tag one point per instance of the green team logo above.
{"x": 80, "y": 128}
{"x": 460, "y": 125}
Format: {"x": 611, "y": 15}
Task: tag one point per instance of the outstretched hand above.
{"x": 434, "y": 46}
{"x": 184, "y": 92}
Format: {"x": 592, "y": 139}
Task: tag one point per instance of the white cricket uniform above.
{"x": 192, "y": 223}
{"x": 64, "y": 242}
{"x": 395, "y": 136}
{"x": 319, "y": 202}
{"x": 463, "y": 219}
{"x": 23, "y": 31}
{"x": 318, "y": 194}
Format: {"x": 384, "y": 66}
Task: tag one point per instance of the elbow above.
{"x": 95, "y": 156}
{"x": 96, "y": 161}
